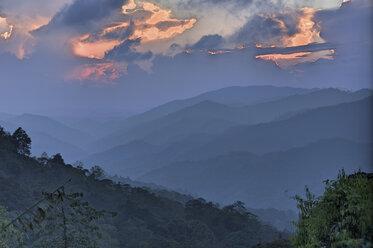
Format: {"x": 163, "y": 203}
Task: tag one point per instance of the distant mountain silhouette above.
{"x": 348, "y": 120}
{"x": 234, "y": 96}
{"x": 268, "y": 180}
{"x": 231, "y": 96}
{"x": 208, "y": 129}
{"x": 117, "y": 155}
{"x": 209, "y": 117}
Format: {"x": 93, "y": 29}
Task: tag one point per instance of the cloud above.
{"x": 347, "y": 30}
{"x": 260, "y": 29}
{"x": 126, "y": 52}
{"x": 136, "y": 34}
{"x": 291, "y": 28}
{"x": 348, "y": 36}
{"x": 35, "y": 8}
{"x": 101, "y": 72}
{"x": 15, "y": 37}
{"x": 6, "y": 29}
{"x": 287, "y": 29}
{"x": 286, "y": 60}
{"x": 144, "y": 21}
{"x": 111, "y": 32}
{"x": 81, "y": 13}
{"x": 287, "y": 38}
{"x": 211, "y": 41}
{"x": 354, "y": 16}
{"x": 236, "y": 3}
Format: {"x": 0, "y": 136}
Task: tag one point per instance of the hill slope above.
{"x": 144, "y": 219}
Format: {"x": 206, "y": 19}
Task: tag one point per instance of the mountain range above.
{"x": 257, "y": 144}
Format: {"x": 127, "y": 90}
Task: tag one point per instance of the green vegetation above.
{"x": 83, "y": 209}
{"x": 10, "y": 237}
{"x": 144, "y": 219}
{"x": 341, "y": 217}
{"x": 281, "y": 243}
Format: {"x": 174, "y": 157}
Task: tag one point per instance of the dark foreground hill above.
{"x": 143, "y": 218}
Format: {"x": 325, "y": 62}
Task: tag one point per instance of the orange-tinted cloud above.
{"x": 6, "y": 29}
{"x": 156, "y": 25}
{"x": 101, "y": 72}
{"x": 216, "y": 52}
{"x": 290, "y": 59}
{"x": 95, "y": 49}
{"x": 308, "y": 31}
{"x": 264, "y": 46}
{"x": 21, "y": 41}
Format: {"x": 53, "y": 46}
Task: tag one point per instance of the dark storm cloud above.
{"x": 259, "y": 29}
{"x": 208, "y": 42}
{"x": 290, "y": 21}
{"x": 168, "y": 24}
{"x": 125, "y": 52}
{"x": 81, "y": 15}
{"x": 81, "y": 12}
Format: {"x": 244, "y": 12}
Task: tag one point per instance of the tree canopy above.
{"x": 23, "y": 142}
{"x": 145, "y": 218}
{"x": 341, "y": 217}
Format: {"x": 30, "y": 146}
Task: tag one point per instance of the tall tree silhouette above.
{"x": 23, "y": 142}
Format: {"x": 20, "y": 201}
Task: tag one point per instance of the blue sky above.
{"x": 80, "y": 56}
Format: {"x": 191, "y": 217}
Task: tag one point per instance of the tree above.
{"x": 43, "y": 159}
{"x": 23, "y": 142}
{"x": 79, "y": 165}
{"x": 69, "y": 222}
{"x": 281, "y": 243}
{"x": 2, "y": 131}
{"x": 341, "y": 217}
{"x": 97, "y": 172}
{"x": 57, "y": 159}
{"x": 58, "y": 220}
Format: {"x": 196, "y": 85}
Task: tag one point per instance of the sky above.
{"x": 96, "y": 57}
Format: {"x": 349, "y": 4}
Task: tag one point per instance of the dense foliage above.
{"x": 341, "y": 217}
{"x": 143, "y": 219}
{"x": 10, "y": 237}
{"x": 281, "y": 243}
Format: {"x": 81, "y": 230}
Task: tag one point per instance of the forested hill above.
{"x": 142, "y": 219}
